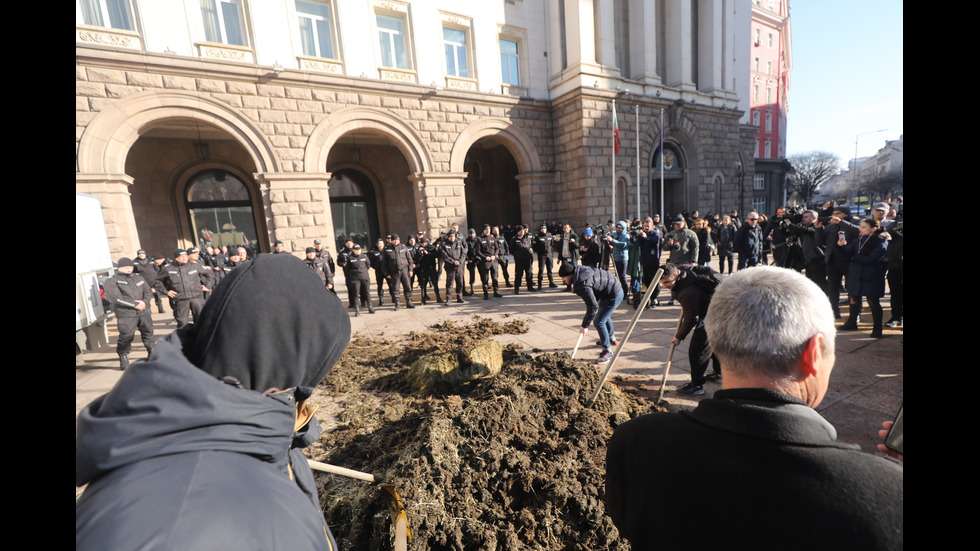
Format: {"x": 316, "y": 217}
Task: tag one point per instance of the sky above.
{"x": 847, "y": 76}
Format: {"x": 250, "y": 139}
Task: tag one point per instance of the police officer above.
{"x": 425, "y": 263}
{"x": 453, "y": 258}
{"x": 153, "y": 276}
{"x": 543, "y": 245}
{"x": 130, "y": 296}
{"x": 324, "y": 253}
{"x": 342, "y": 258}
{"x": 359, "y": 268}
{"x": 523, "y": 256}
{"x": 471, "y": 259}
{"x": 375, "y": 255}
{"x": 207, "y": 275}
{"x": 504, "y": 252}
{"x": 487, "y": 251}
{"x": 397, "y": 264}
{"x": 319, "y": 267}
{"x": 185, "y": 285}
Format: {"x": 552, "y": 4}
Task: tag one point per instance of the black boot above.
{"x": 438, "y": 298}
{"x": 496, "y": 293}
{"x": 517, "y": 290}
{"x": 486, "y": 295}
{"x": 357, "y": 310}
{"x": 123, "y": 361}
{"x": 408, "y": 302}
{"x": 381, "y": 301}
{"x": 370, "y": 307}
{"x": 852, "y": 318}
{"x": 396, "y": 305}
{"x": 424, "y": 298}
{"x": 876, "y": 317}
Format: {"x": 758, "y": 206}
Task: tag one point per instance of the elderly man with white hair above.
{"x": 755, "y": 467}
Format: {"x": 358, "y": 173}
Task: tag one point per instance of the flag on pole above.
{"x": 206, "y": 234}
{"x": 615, "y": 130}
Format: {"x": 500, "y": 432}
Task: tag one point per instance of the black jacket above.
{"x": 773, "y": 462}
{"x": 122, "y": 291}
{"x": 593, "y": 285}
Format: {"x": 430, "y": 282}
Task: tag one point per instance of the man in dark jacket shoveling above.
{"x": 199, "y": 447}
{"x": 602, "y": 294}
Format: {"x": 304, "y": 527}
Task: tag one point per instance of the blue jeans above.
{"x": 603, "y": 323}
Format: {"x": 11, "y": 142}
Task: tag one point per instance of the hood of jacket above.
{"x": 166, "y": 406}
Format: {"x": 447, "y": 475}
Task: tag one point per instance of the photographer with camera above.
{"x": 681, "y": 243}
{"x": 811, "y": 237}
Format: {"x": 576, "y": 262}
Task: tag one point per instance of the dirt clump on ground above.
{"x": 512, "y": 461}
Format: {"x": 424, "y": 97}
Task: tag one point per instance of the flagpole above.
{"x": 663, "y": 215}
{"x": 638, "y": 160}
{"x": 613, "y": 207}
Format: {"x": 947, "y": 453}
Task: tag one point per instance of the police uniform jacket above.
{"x": 542, "y": 243}
{"x": 122, "y": 291}
{"x": 359, "y": 266}
{"x": 453, "y": 251}
{"x": 487, "y": 246}
{"x": 522, "y": 248}
{"x": 320, "y": 268}
{"x": 396, "y": 259}
{"x": 186, "y": 279}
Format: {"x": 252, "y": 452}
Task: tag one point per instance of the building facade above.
{"x": 239, "y": 121}
{"x": 771, "y": 64}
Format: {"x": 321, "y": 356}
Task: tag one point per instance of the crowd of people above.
{"x": 829, "y": 244}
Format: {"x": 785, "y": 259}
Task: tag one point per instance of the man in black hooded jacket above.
{"x": 218, "y": 464}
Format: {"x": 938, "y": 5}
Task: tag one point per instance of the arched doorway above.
{"x": 674, "y": 193}
{"x": 354, "y": 208}
{"x": 492, "y": 191}
{"x": 219, "y": 210}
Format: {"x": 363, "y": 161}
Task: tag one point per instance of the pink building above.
{"x": 770, "y": 61}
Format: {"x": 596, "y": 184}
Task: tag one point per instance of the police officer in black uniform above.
{"x": 425, "y": 262}
{"x": 454, "y": 258}
{"x": 502, "y": 261}
{"x": 471, "y": 259}
{"x": 523, "y": 256}
{"x": 487, "y": 251}
{"x": 130, "y": 296}
{"x": 375, "y": 255}
{"x": 359, "y": 268}
{"x": 542, "y": 245}
{"x": 397, "y": 264}
{"x": 185, "y": 285}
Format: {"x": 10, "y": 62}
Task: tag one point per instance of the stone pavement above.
{"x": 866, "y": 387}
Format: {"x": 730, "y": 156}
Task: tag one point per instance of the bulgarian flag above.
{"x": 206, "y": 234}
{"x": 615, "y": 130}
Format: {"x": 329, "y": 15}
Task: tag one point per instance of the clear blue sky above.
{"x": 847, "y": 76}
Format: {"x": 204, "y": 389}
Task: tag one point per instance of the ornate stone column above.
{"x": 440, "y": 200}
{"x": 297, "y": 208}
{"x": 117, "y": 210}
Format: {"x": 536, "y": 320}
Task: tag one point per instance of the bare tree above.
{"x": 812, "y": 169}
{"x": 886, "y": 185}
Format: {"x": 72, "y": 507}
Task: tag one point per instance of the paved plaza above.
{"x": 866, "y": 387}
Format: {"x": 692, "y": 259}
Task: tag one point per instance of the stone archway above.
{"x": 107, "y": 140}
{"x": 521, "y": 148}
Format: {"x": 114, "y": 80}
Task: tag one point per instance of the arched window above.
{"x": 220, "y": 210}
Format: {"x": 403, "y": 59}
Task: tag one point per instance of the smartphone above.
{"x": 895, "y": 439}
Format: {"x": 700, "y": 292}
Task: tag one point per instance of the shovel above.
{"x": 577, "y": 343}
{"x": 399, "y": 518}
{"x": 629, "y": 331}
{"x": 670, "y": 355}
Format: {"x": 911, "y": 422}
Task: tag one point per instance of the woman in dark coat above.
{"x": 707, "y": 244}
{"x": 866, "y": 277}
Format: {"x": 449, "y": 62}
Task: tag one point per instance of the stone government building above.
{"x": 249, "y": 120}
